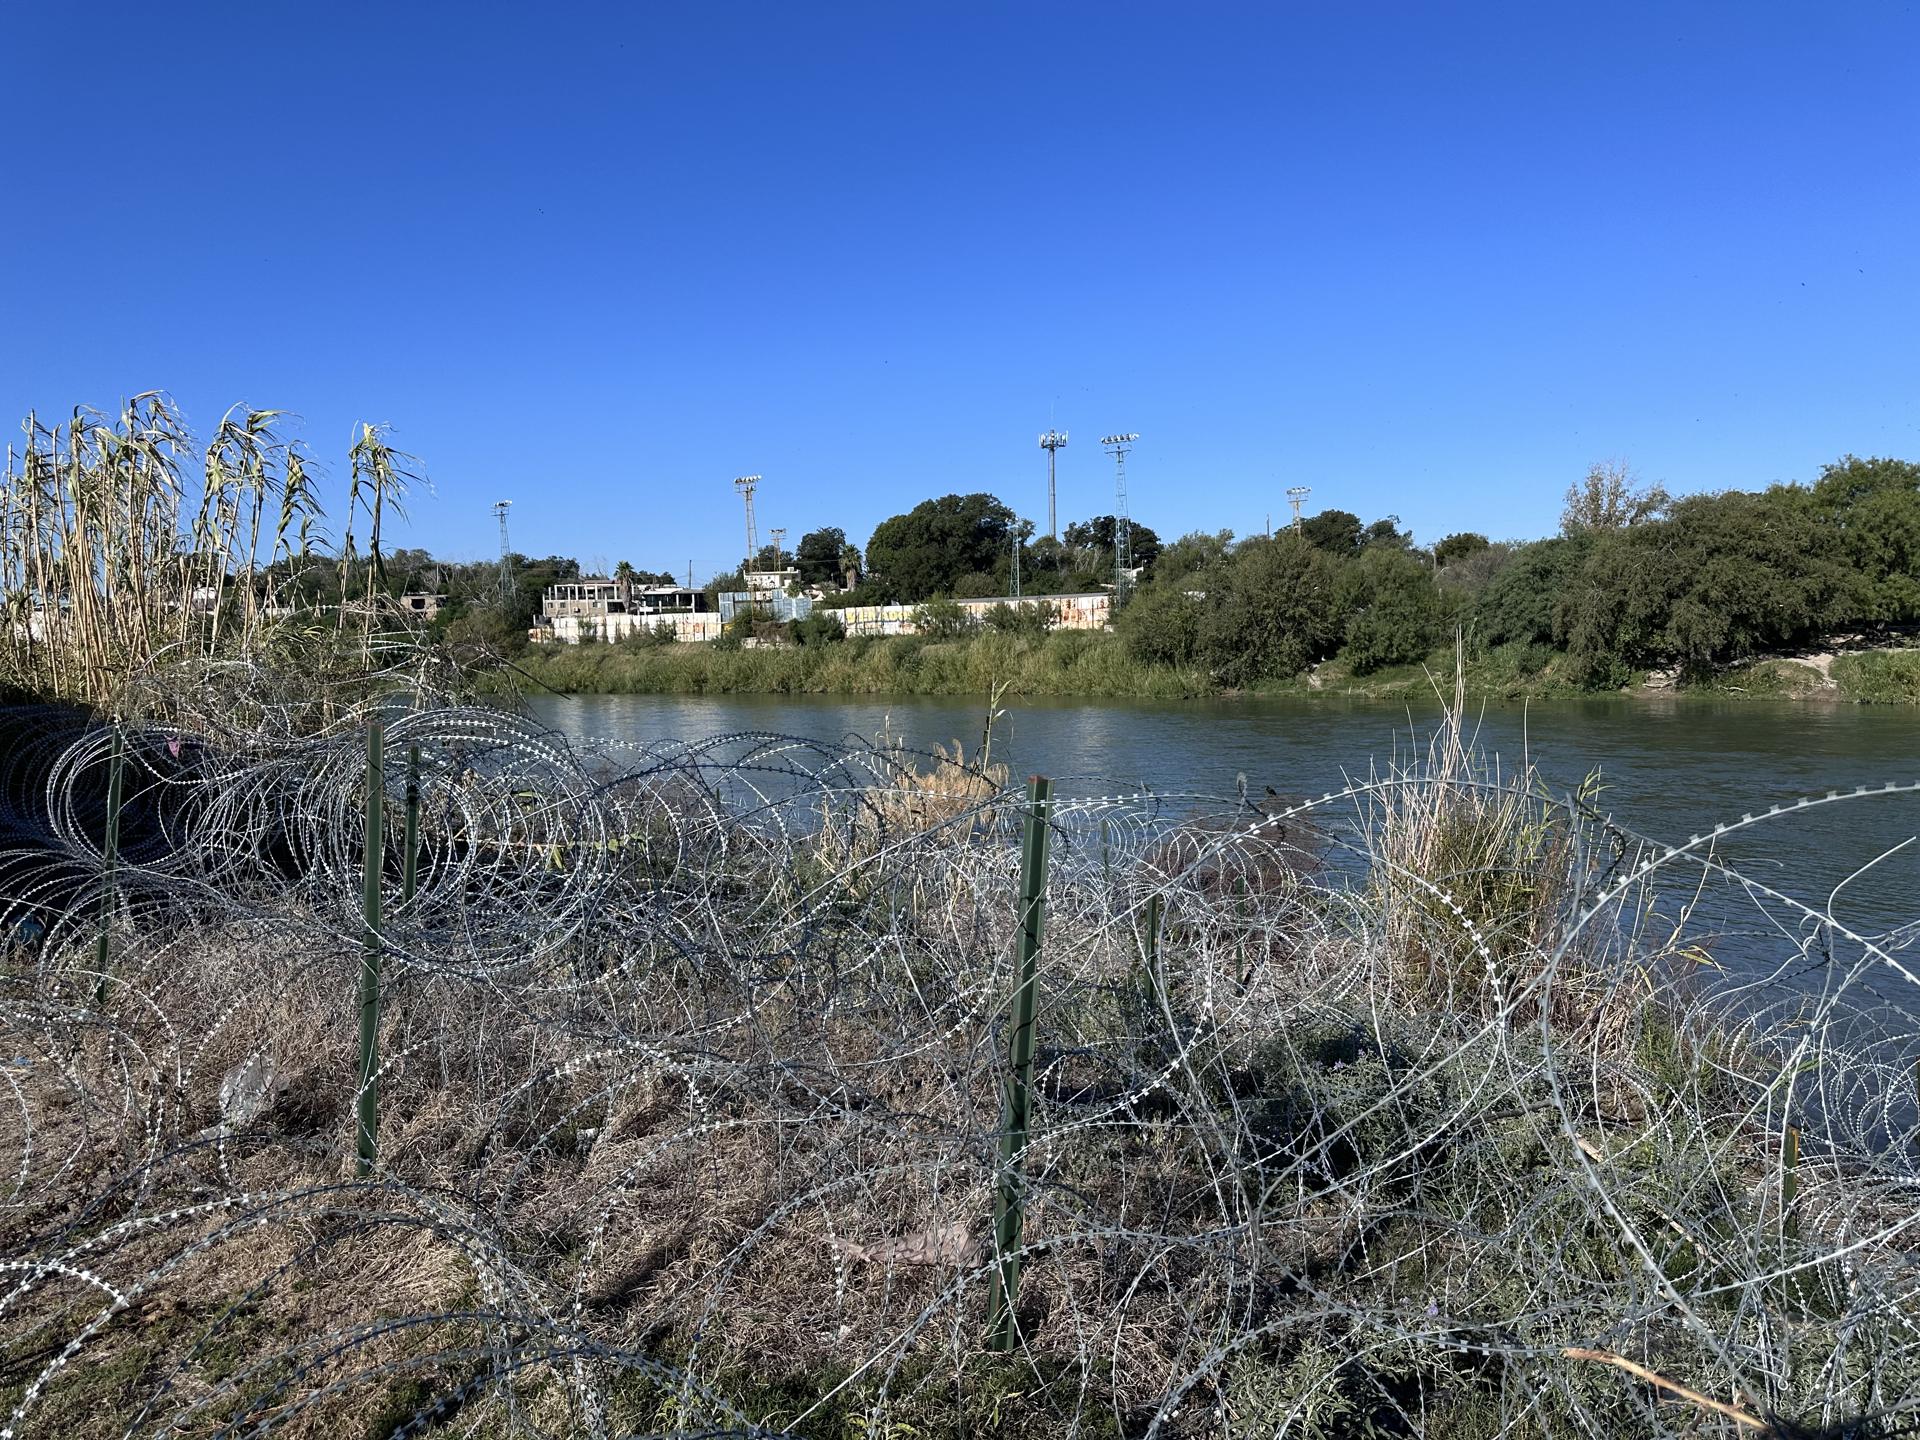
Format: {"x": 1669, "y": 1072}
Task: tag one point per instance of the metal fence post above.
{"x": 369, "y": 1106}
{"x": 1009, "y": 1207}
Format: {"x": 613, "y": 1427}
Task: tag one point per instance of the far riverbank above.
{"x": 1096, "y": 666}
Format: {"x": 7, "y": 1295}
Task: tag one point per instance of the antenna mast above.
{"x": 1295, "y": 494}
{"x": 1118, "y": 446}
{"x": 500, "y": 508}
{"x": 746, "y": 485}
{"x": 1051, "y": 442}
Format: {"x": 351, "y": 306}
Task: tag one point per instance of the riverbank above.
{"x": 1094, "y": 666}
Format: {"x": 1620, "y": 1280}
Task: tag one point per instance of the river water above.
{"x": 1672, "y": 766}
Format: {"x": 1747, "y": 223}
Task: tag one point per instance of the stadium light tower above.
{"x": 500, "y": 508}
{"x": 779, "y": 534}
{"x": 1052, "y": 442}
{"x": 746, "y": 485}
{"x": 1295, "y": 494}
{"x": 1118, "y": 446}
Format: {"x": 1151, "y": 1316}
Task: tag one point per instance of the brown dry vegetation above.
{"x": 695, "y": 1131}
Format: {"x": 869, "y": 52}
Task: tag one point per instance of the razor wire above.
{"x": 1420, "y": 1107}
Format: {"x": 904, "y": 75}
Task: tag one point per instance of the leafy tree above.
{"x": 1470, "y": 574}
{"x": 1338, "y": 532}
{"x": 772, "y": 557}
{"x": 1096, "y": 536}
{"x": 1459, "y": 546}
{"x": 1521, "y": 601}
{"x": 1395, "y": 614}
{"x": 922, "y": 552}
{"x": 730, "y": 582}
{"x": 1192, "y": 557}
{"x": 1608, "y": 499}
{"x": 1874, "y": 505}
{"x": 1386, "y": 532}
{"x": 821, "y": 555}
{"x": 1275, "y": 612}
{"x": 1161, "y": 625}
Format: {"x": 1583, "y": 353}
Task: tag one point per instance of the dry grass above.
{"x": 698, "y": 1132}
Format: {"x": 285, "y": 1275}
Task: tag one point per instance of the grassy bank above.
{"x": 1095, "y": 666}
{"x": 1067, "y": 662}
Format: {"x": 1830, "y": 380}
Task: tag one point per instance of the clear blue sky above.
{"x": 1431, "y": 260}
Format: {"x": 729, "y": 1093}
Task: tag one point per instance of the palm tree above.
{"x": 850, "y": 564}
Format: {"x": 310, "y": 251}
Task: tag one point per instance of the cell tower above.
{"x": 1052, "y": 442}
{"x": 1118, "y": 446}
{"x": 1295, "y": 494}
{"x": 500, "y": 508}
{"x": 746, "y": 485}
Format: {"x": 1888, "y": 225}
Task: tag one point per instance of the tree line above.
{"x": 1635, "y": 579}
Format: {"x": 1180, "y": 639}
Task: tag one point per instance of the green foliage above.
{"x": 1085, "y": 664}
{"x": 1095, "y": 539}
{"x": 1881, "y": 677}
{"x": 1035, "y": 619}
{"x": 819, "y": 627}
{"x": 923, "y": 552}
{"x": 820, "y": 556}
{"x": 941, "y": 619}
{"x": 1276, "y": 610}
{"x": 1192, "y": 557}
{"x": 1338, "y": 532}
{"x": 1519, "y": 603}
{"x": 1458, "y": 546}
{"x": 1395, "y": 615}
{"x": 1161, "y": 626}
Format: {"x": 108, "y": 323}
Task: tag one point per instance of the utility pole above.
{"x": 1052, "y": 442}
{"x": 1118, "y": 446}
{"x": 500, "y": 508}
{"x": 746, "y": 485}
{"x": 1296, "y": 494}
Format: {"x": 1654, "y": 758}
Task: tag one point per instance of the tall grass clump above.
{"x": 128, "y": 550}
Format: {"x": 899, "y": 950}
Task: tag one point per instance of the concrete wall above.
{"x": 1070, "y": 612}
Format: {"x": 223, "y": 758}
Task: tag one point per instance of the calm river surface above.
{"x": 1673, "y": 766}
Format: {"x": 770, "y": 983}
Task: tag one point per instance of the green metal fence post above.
{"x": 1153, "y": 950}
{"x": 410, "y": 865}
{"x": 1009, "y": 1207}
{"x": 369, "y": 1107}
{"x": 110, "y": 861}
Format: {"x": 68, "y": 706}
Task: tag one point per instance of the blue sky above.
{"x": 1429, "y": 260}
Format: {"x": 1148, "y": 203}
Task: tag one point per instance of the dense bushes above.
{"x": 1637, "y": 582}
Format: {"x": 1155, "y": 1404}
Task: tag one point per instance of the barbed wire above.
{"x": 1432, "y": 1105}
